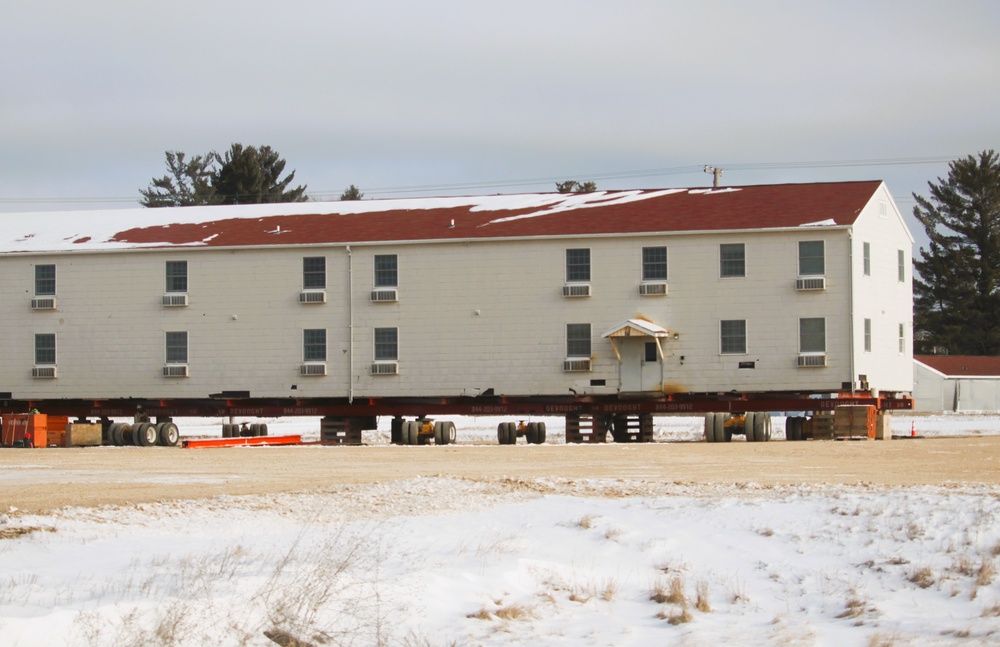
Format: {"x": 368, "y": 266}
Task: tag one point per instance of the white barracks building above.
{"x": 796, "y": 288}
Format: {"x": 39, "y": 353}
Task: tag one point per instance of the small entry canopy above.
{"x": 637, "y": 328}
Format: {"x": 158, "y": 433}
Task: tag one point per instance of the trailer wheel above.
{"x": 450, "y": 432}
{"x": 412, "y": 429}
{"x": 511, "y": 433}
{"x": 439, "y": 438}
{"x": 715, "y": 427}
{"x": 767, "y": 427}
{"x": 144, "y": 434}
{"x": 748, "y": 422}
{"x": 541, "y": 433}
{"x": 255, "y": 429}
{"x": 502, "y": 433}
{"x": 167, "y": 434}
{"x": 760, "y": 427}
{"x": 115, "y": 434}
{"x": 263, "y": 429}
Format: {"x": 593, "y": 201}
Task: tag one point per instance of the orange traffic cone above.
{"x": 913, "y": 429}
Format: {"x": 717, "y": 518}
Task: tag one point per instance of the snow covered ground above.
{"x": 438, "y": 561}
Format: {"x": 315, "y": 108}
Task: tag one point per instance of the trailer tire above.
{"x": 144, "y": 434}
{"x": 710, "y": 427}
{"x": 255, "y": 430}
{"x": 502, "y": 433}
{"x": 511, "y": 433}
{"x": 450, "y": 432}
{"x": 760, "y": 427}
{"x": 167, "y": 434}
{"x": 411, "y": 430}
{"x": 541, "y": 433}
{"x": 439, "y": 438}
{"x": 748, "y": 422}
{"x": 115, "y": 434}
{"x": 263, "y": 429}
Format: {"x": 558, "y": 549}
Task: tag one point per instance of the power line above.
{"x": 537, "y": 181}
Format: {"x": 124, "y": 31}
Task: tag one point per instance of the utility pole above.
{"x": 716, "y": 175}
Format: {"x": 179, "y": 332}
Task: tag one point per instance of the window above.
{"x": 901, "y": 262}
{"x": 386, "y": 271}
{"x": 177, "y": 347}
{"x": 883, "y": 209}
{"x": 45, "y": 280}
{"x": 386, "y": 345}
{"x": 177, "y": 276}
{"x": 654, "y": 263}
{"x": 578, "y": 340}
{"x": 811, "y": 258}
{"x": 902, "y": 339}
{"x": 868, "y": 335}
{"x": 45, "y": 348}
{"x": 314, "y": 345}
{"x": 651, "y": 354}
{"x": 868, "y": 259}
{"x": 314, "y": 273}
{"x": 732, "y": 260}
{"x": 578, "y": 265}
{"x": 733, "y": 336}
{"x": 812, "y": 335}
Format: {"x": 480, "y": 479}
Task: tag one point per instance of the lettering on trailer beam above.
{"x": 486, "y": 409}
{"x": 300, "y": 411}
{"x": 675, "y": 406}
{"x": 621, "y": 408}
{"x": 563, "y": 408}
{"x": 111, "y": 413}
{"x": 247, "y": 412}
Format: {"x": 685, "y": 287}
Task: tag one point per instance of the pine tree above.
{"x": 572, "y": 186}
{"x": 253, "y": 175}
{"x": 957, "y": 290}
{"x": 352, "y": 193}
{"x": 189, "y": 182}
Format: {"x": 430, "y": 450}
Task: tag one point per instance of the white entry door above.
{"x": 640, "y": 365}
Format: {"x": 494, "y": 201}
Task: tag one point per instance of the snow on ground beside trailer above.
{"x": 508, "y": 562}
{"x": 482, "y": 429}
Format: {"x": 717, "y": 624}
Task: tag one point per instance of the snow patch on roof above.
{"x": 829, "y": 222}
{"x": 589, "y": 200}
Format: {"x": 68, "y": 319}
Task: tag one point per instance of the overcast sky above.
{"x": 462, "y": 97}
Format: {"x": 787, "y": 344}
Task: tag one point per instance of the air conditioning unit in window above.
{"x": 385, "y": 295}
{"x": 653, "y": 289}
{"x": 811, "y": 283}
{"x": 576, "y": 290}
{"x": 385, "y": 368}
{"x": 312, "y": 296}
{"x": 312, "y": 368}
{"x": 174, "y": 300}
{"x": 576, "y": 365}
{"x": 44, "y": 372}
{"x": 812, "y": 361}
{"x": 175, "y": 370}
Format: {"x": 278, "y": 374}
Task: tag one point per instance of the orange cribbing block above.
{"x": 249, "y": 441}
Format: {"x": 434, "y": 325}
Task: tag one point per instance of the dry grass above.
{"x": 679, "y": 617}
{"x": 701, "y": 598}
{"x": 613, "y": 533}
{"x": 674, "y": 594}
{"x": 21, "y": 531}
{"x": 986, "y": 573}
{"x": 922, "y": 577}
{"x": 765, "y": 532}
{"x": 855, "y": 607}
{"x": 509, "y": 612}
{"x": 992, "y": 612}
{"x": 883, "y": 640}
{"x": 586, "y": 522}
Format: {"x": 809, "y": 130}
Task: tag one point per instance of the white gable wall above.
{"x": 881, "y": 297}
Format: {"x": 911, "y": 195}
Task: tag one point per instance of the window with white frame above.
{"x": 868, "y": 335}
{"x": 577, "y": 265}
{"x": 733, "y": 336}
{"x": 578, "y": 340}
{"x": 901, "y": 263}
{"x": 812, "y": 335}
{"x": 654, "y": 263}
{"x": 45, "y": 280}
{"x": 314, "y": 345}
{"x": 386, "y": 271}
{"x": 177, "y": 276}
{"x": 902, "y": 339}
{"x": 45, "y": 349}
{"x": 812, "y": 258}
{"x": 732, "y": 260}
{"x": 314, "y": 273}
{"x": 867, "y": 255}
{"x": 386, "y": 344}
{"x": 177, "y": 347}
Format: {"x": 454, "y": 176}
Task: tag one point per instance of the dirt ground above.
{"x": 38, "y": 480}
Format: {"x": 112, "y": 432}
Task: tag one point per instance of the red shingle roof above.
{"x": 461, "y": 218}
{"x": 962, "y": 365}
